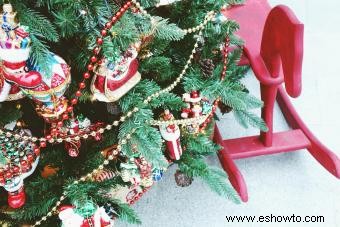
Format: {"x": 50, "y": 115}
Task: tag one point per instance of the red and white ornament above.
{"x": 171, "y": 134}
{"x": 70, "y": 218}
{"x": 112, "y": 80}
{"x": 21, "y": 159}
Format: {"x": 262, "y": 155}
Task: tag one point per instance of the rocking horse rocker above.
{"x": 273, "y": 41}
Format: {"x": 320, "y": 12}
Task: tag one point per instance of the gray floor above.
{"x": 282, "y": 184}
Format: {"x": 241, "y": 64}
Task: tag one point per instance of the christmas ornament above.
{"x": 14, "y": 51}
{"x": 157, "y": 174}
{"x": 18, "y": 160}
{"x": 182, "y": 179}
{"x": 196, "y": 106}
{"x": 113, "y": 80}
{"x": 129, "y": 172}
{"x": 75, "y": 128}
{"x": 224, "y": 108}
{"x": 49, "y": 171}
{"x": 207, "y": 67}
{"x": 70, "y": 218}
{"x": 104, "y": 175}
{"x": 49, "y": 94}
{"x": 127, "y": 194}
{"x": 171, "y": 133}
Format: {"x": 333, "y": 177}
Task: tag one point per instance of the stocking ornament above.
{"x": 171, "y": 133}
{"x": 14, "y": 51}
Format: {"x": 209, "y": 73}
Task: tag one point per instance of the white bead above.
{"x": 93, "y": 133}
{"x": 101, "y": 167}
{"x": 136, "y": 109}
{"x": 101, "y": 130}
{"x": 111, "y": 157}
{"x": 123, "y": 141}
{"x": 68, "y": 139}
{"x": 116, "y": 123}
{"x": 59, "y": 140}
{"x": 122, "y": 119}
{"x": 108, "y": 127}
{"x": 43, "y": 218}
{"x": 106, "y": 162}
{"x": 77, "y": 138}
{"x": 85, "y": 136}
{"x": 83, "y": 179}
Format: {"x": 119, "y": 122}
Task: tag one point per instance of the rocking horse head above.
{"x": 282, "y": 45}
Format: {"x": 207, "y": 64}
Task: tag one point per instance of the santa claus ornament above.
{"x": 112, "y": 80}
{"x": 171, "y": 134}
{"x": 18, "y": 160}
{"x": 196, "y": 106}
{"x": 70, "y": 218}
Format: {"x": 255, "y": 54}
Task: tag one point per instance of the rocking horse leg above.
{"x": 320, "y": 152}
{"x": 235, "y": 177}
{"x": 268, "y": 95}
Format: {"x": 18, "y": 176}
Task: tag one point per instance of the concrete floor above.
{"x": 283, "y": 184}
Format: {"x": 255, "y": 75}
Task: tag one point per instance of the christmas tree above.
{"x": 98, "y": 98}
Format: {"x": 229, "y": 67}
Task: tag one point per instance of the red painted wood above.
{"x": 252, "y": 146}
{"x": 273, "y": 41}
{"x": 235, "y": 176}
{"x": 319, "y": 151}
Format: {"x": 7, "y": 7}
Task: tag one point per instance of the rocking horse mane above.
{"x": 282, "y": 45}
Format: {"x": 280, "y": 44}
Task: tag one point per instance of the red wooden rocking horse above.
{"x": 273, "y": 41}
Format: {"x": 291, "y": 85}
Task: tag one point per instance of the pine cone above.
{"x": 207, "y": 67}
{"x": 224, "y": 108}
{"x": 182, "y": 179}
